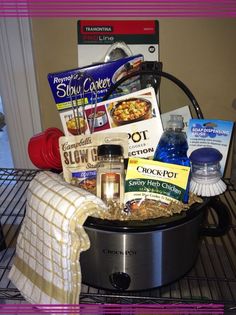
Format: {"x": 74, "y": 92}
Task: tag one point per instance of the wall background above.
{"x": 200, "y": 52}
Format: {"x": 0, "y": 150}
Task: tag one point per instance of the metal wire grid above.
{"x": 13, "y": 187}
{"x": 212, "y": 280}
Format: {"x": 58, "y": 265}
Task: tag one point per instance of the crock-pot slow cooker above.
{"x": 139, "y": 255}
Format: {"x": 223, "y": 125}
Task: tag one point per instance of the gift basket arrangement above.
{"x": 132, "y": 181}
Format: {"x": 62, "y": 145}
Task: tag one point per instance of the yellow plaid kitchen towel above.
{"x": 46, "y": 266}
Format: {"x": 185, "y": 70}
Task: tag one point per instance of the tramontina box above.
{"x": 95, "y": 39}
{"x": 71, "y": 94}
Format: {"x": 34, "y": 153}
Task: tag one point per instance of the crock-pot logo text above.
{"x": 138, "y": 135}
{"x": 64, "y": 89}
{"x": 156, "y": 172}
{"x": 119, "y": 252}
{"x": 137, "y": 143}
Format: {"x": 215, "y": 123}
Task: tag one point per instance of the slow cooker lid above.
{"x": 148, "y": 224}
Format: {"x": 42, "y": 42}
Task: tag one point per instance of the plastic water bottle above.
{"x": 173, "y": 145}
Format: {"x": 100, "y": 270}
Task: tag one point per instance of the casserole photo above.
{"x": 131, "y": 110}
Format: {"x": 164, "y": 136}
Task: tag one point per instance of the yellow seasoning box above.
{"x": 148, "y": 179}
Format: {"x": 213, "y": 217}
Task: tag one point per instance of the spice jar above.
{"x": 110, "y": 173}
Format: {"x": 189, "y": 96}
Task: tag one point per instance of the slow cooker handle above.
{"x": 224, "y": 219}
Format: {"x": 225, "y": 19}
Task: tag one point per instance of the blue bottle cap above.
{"x": 205, "y": 155}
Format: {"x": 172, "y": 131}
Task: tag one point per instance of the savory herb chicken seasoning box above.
{"x": 157, "y": 181}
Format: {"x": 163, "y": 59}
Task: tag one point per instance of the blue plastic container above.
{"x": 173, "y": 145}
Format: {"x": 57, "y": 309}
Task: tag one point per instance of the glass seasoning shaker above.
{"x": 110, "y": 173}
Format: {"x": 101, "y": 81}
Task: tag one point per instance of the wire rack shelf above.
{"x": 211, "y": 280}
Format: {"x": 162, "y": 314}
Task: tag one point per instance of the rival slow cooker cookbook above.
{"x": 143, "y": 254}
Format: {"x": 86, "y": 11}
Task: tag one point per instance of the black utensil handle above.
{"x": 224, "y": 219}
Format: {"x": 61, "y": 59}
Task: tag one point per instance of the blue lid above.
{"x": 205, "y": 155}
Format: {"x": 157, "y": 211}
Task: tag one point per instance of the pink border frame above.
{"x": 116, "y": 9}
